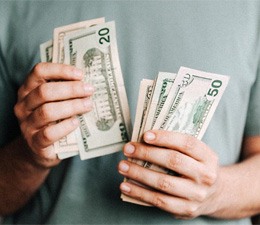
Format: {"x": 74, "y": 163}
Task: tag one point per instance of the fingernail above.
{"x": 125, "y": 187}
{"x": 149, "y": 136}
{"x": 77, "y": 72}
{"x": 88, "y": 103}
{"x": 75, "y": 121}
{"x": 129, "y": 149}
{"x": 123, "y": 167}
{"x": 89, "y": 88}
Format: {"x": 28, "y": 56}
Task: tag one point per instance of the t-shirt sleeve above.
{"x": 252, "y": 127}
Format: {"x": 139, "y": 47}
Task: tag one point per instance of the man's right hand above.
{"x": 48, "y": 102}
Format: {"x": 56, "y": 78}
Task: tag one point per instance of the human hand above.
{"x": 51, "y": 93}
{"x": 186, "y": 196}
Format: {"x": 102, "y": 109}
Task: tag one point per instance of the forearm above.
{"x": 20, "y": 176}
{"x": 239, "y": 194}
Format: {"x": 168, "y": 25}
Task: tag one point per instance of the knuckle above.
{"x": 165, "y": 184}
{"x": 140, "y": 197}
{"x": 208, "y": 177}
{"x": 17, "y": 110}
{"x": 201, "y": 195}
{"x": 66, "y": 70}
{"x": 174, "y": 160}
{"x": 78, "y": 106}
{"x": 43, "y": 92}
{"x": 144, "y": 150}
{"x": 46, "y": 136}
{"x": 77, "y": 89}
{"x": 38, "y": 68}
{"x": 135, "y": 174}
{"x": 44, "y": 113}
{"x": 189, "y": 142}
{"x": 74, "y": 90}
{"x": 191, "y": 211}
{"x": 71, "y": 108}
{"x": 158, "y": 201}
{"x": 26, "y": 130}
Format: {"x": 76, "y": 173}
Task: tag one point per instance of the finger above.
{"x": 55, "y": 111}
{"x": 172, "y": 185}
{"x": 43, "y": 72}
{"x": 166, "y": 158}
{"x": 184, "y": 143}
{"x": 56, "y": 91}
{"x": 20, "y": 111}
{"x": 174, "y": 205}
{"x": 52, "y": 133}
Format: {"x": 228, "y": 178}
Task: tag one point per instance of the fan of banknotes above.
{"x": 183, "y": 102}
{"x": 91, "y": 46}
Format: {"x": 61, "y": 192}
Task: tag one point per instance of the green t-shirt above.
{"x": 215, "y": 36}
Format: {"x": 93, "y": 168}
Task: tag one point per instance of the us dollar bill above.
{"x": 192, "y": 102}
{"x": 163, "y": 84}
{"x": 107, "y": 127}
{"x": 60, "y": 32}
{"x": 142, "y": 109}
{"x": 46, "y": 50}
{"x": 143, "y": 103}
{"x": 151, "y": 98}
{"x": 189, "y": 107}
{"x": 68, "y": 146}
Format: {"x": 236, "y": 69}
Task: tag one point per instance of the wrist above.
{"x": 21, "y": 176}
{"x": 37, "y": 160}
{"x": 216, "y": 204}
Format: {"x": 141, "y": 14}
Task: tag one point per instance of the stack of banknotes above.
{"x": 183, "y": 102}
{"x": 91, "y": 46}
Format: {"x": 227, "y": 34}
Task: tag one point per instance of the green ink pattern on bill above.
{"x": 68, "y": 145}
{"x": 61, "y": 32}
{"x": 94, "y": 50}
{"x": 192, "y": 102}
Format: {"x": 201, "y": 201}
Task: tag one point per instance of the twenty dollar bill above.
{"x": 107, "y": 127}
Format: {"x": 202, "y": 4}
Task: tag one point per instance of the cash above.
{"x": 92, "y": 46}
{"x": 145, "y": 94}
{"x": 142, "y": 110}
{"x": 46, "y": 50}
{"x": 184, "y": 102}
{"x": 94, "y": 50}
{"x": 60, "y": 33}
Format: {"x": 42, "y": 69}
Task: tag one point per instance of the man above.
{"x": 217, "y": 172}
